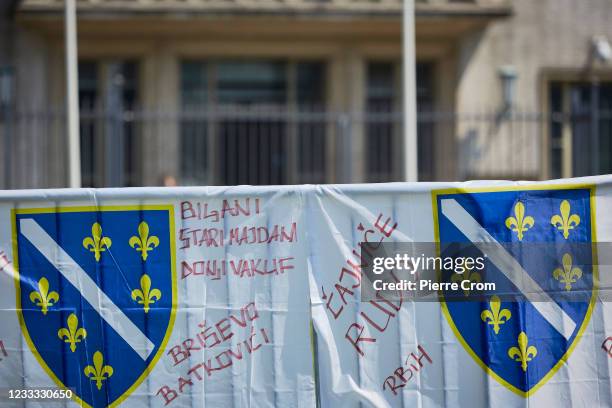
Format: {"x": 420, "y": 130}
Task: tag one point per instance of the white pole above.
{"x": 410, "y": 112}
{"x": 72, "y": 95}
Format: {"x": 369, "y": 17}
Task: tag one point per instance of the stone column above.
{"x": 160, "y": 123}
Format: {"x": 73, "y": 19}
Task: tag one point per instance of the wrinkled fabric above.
{"x": 278, "y": 269}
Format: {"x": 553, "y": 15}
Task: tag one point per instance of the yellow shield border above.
{"x": 24, "y": 330}
{"x": 587, "y": 318}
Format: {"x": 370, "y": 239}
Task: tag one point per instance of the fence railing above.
{"x": 169, "y": 5}
{"x": 267, "y": 146}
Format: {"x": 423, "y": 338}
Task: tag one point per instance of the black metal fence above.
{"x": 266, "y": 146}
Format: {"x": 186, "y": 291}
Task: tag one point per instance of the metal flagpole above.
{"x": 72, "y": 94}
{"x": 410, "y": 117}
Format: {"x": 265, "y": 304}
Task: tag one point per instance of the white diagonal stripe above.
{"x": 511, "y": 268}
{"x": 100, "y": 302}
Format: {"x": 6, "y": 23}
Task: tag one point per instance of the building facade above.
{"x": 203, "y": 92}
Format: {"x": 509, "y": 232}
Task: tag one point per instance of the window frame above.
{"x": 289, "y": 108}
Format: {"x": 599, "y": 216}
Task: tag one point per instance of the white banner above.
{"x": 252, "y": 296}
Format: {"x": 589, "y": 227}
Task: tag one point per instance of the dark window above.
{"x": 194, "y": 124}
{"x": 7, "y": 91}
{"x": 584, "y": 110}
{"x": 125, "y": 82}
{"x": 425, "y": 120}
{"x": 250, "y": 112}
{"x": 311, "y": 86}
{"x": 88, "y": 98}
{"x": 556, "y": 129}
{"x": 311, "y": 127}
{"x": 253, "y": 147}
{"x": 380, "y": 128}
{"x": 590, "y": 110}
{"x": 108, "y": 94}
{"x": 252, "y": 83}
{"x": 605, "y": 128}
{"x": 383, "y": 121}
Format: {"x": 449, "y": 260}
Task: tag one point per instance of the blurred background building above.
{"x": 224, "y": 92}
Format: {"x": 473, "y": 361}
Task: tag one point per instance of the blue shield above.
{"x": 96, "y": 294}
{"x": 548, "y": 231}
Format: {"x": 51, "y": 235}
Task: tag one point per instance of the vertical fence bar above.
{"x": 595, "y": 126}
{"x": 410, "y": 111}
{"x": 72, "y": 91}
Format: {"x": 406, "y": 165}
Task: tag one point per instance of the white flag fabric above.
{"x": 254, "y": 296}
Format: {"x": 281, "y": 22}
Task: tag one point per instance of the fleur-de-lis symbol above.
{"x": 523, "y": 353}
{"x": 73, "y": 334}
{"x": 98, "y": 372}
{"x": 566, "y": 221}
{"x": 496, "y": 316}
{"x": 97, "y": 243}
{"x": 467, "y": 275}
{"x": 519, "y": 223}
{"x": 143, "y": 242}
{"x": 145, "y": 295}
{"x": 569, "y": 274}
{"x": 43, "y": 298}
